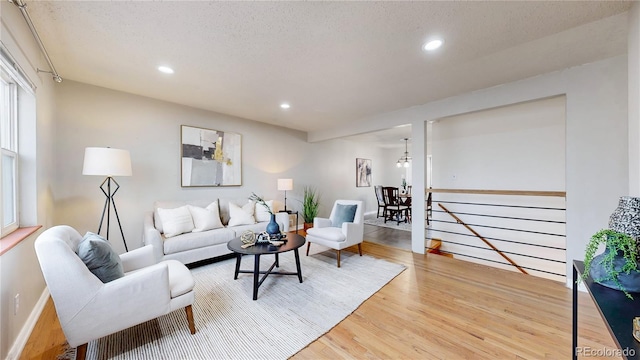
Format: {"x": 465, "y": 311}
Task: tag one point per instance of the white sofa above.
{"x": 191, "y": 247}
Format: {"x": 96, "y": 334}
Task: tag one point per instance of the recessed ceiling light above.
{"x": 285, "y": 106}
{"x": 432, "y": 45}
{"x": 165, "y": 69}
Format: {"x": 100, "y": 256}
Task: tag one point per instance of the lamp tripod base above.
{"x": 106, "y": 210}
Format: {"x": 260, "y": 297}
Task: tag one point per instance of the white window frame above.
{"x": 20, "y": 84}
{"x": 9, "y": 148}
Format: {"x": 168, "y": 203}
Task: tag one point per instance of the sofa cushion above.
{"x": 96, "y": 252}
{"x": 205, "y": 219}
{"x": 176, "y": 221}
{"x": 223, "y": 203}
{"x": 344, "y": 213}
{"x": 242, "y": 215}
{"x": 262, "y": 214}
{"x": 190, "y": 241}
{"x": 157, "y": 222}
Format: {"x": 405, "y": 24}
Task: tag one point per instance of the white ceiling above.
{"x": 334, "y": 62}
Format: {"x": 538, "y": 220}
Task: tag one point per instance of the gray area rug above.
{"x": 286, "y": 317}
{"x": 390, "y": 224}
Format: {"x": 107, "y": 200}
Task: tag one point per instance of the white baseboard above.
{"x": 25, "y": 333}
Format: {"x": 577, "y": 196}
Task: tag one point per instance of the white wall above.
{"x": 19, "y": 269}
{"x": 633, "y": 62}
{"x": 150, "y": 130}
{"x": 517, "y": 147}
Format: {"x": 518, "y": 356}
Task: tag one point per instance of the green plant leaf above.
{"x": 310, "y": 204}
{"x": 615, "y": 243}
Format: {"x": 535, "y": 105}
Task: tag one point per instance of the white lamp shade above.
{"x": 106, "y": 162}
{"x": 285, "y": 184}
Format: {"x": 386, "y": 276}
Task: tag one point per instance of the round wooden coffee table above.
{"x": 294, "y": 242}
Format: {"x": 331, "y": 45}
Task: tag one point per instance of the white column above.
{"x": 418, "y": 182}
{"x": 633, "y": 75}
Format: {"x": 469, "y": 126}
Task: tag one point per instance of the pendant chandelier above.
{"x": 404, "y": 159}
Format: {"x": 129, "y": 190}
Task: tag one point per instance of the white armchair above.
{"x": 336, "y": 234}
{"x": 89, "y": 309}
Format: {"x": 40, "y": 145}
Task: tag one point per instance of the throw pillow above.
{"x": 101, "y": 260}
{"x": 241, "y": 215}
{"x": 176, "y": 221}
{"x": 262, "y": 214}
{"x": 344, "y": 213}
{"x": 205, "y": 219}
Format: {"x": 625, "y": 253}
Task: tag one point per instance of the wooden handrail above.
{"x": 499, "y": 192}
{"x": 481, "y": 238}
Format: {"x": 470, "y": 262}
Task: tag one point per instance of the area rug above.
{"x": 287, "y": 316}
{"x": 390, "y": 224}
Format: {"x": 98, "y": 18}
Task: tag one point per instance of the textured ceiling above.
{"x": 334, "y": 62}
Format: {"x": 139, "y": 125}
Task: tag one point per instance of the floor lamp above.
{"x": 108, "y": 162}
{"x": 285, "y": 184}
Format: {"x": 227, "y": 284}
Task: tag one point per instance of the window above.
{"x": 9, "y": 158}
{"x": 17, "y": 125}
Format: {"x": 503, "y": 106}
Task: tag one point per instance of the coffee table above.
{"x": 294, "y": 242}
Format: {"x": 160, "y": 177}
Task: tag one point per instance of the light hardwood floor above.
{"x": 438, "y": 308}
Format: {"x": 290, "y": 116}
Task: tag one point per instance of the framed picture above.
{"x": 210, "y": 157}
{"x": 363, "y": 172}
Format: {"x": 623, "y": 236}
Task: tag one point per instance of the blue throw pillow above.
{"x": 344, "y": 213}
{"x": 102, "y": 261}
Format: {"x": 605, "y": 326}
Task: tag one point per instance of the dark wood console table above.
{"x": 616, "y": 310}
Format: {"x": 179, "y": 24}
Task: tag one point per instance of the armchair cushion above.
{"x": 328, "y": 233}
{"x": 343, "y": 213}
{"x": 101, "y": 260}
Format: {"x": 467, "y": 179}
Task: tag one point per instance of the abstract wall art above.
{"x": 210, "y": 157}
{"x": 363, "y": 172}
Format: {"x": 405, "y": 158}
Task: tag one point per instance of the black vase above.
{"x": 272, "y": 227}
{"x": 630, "y": 282}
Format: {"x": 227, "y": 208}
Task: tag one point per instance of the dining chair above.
{"x": 394, "y": 208}
{"x": 429, "y": 207}
{"x": 380, "y": 198}
{"x": 406, "y": 201}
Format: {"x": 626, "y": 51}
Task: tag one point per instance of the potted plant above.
{"x": 310, "y": 206}
{"x": 617, "y": 266}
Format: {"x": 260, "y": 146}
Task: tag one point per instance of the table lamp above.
{"x": 284, "y": 185}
